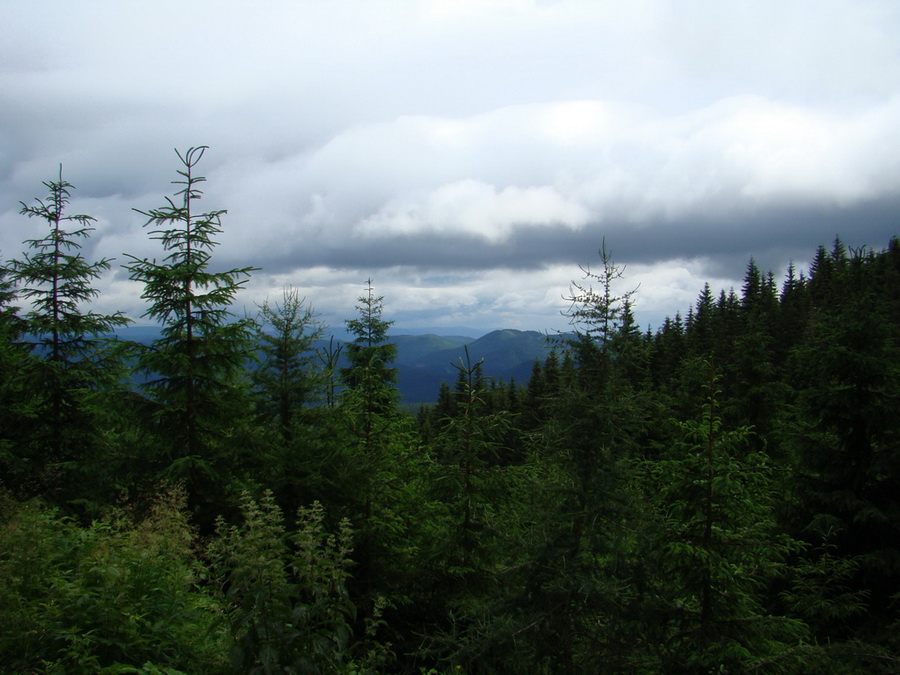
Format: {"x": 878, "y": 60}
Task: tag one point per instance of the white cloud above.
{"x": 473, "y": 207}
{"x": 524, "y": 165}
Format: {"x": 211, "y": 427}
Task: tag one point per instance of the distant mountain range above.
{"x": 424, "y": 361}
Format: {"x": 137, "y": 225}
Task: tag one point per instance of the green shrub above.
{"x": 106, "y": 597}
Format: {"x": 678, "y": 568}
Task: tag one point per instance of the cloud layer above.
{"x": 466, "y": 155}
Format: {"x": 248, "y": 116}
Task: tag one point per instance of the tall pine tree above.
{"x": 195, "y": 368}
{"x": 69, "y": 360}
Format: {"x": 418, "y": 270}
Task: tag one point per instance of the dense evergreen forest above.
{"x": 720, "y": 495}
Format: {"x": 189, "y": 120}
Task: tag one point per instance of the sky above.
{"x": 469, "y": 156}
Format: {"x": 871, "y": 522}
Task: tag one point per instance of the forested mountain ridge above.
{"x": 425, "y": 361}
{"x": 508, "y": 355}
{"x": 720, "y": 495}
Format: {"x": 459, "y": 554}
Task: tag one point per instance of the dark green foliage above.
{"x": 287, "y": 604}
{"x": 13, "y": 392}
{"x": 716, "y": 553}
{"x": 845, "y": 429}
{"x": 382, "y": 487}
{"x": 120, "y": 593}
{"x": 589, "y": 439}
{"x": 469, "y": 449}
{"x": 813, "y": 372}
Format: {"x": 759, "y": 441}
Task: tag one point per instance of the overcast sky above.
{"x": 467, "y": 155}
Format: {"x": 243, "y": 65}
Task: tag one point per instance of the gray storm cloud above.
{"x": 447, "y": 148}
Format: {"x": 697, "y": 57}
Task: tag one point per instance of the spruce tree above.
{"x": 666, "y": 353}
{"x": 297, "y": 447}
{"x": 469, "y": 446}
{"x": 370, "y": 374}
{"x": 69, "y": 360}
{"x": 700, "y": 334}
{"x": 707, "y": 570}
{"x": 752, "y": 393}
{"x": 285, "y": 378}
{"x": 194, "y": 368}
{"x": 589, "y": 434}
{"x": 792, "y": 314}
{"x": 369, "y": 404}
{"x": 478, "y": 502}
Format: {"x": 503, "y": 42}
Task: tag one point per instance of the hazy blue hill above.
{"x": 142, "y": 334}
{"x": 507, "y": 354}
{"x": 414, "y": 347}
{"x": 424, "y": 361}
{"x": 506, "y": 350}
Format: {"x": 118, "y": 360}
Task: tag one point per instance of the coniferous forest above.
{"x": 721, "y": 495}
